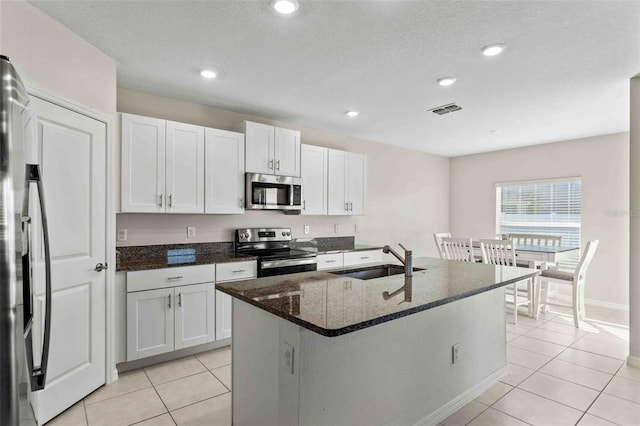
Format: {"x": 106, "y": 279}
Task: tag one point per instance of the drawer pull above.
{"x": 239, "y": 271}
{"x": 169, "y": 301}
{"x": 364, "y": 257}
{"x": 179, "y": 277}
{"x": 330, "y": 261}
{"x": 180, "y": 300}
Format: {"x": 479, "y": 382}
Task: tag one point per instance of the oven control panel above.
{"x": 254, "y": 235}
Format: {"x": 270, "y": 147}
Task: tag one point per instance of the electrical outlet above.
{"x": 335, "y": 228}
{"x": 191, "y": 231}
{"x": 122, "y": 234}
{"x": 287, "y": 357}
{"x": 306, "y": 229}
{"x": 455, "y": 353}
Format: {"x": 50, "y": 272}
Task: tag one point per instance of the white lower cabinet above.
{"x": 362, "y": 257}
{"x": 195, "y": 315}
{"x": 352, "y": 258}
{"x": 163, "y": 316}
{"x": 223, "y": 315}
{"x": 150, "y": 318}
{"x": 226, "y": 272}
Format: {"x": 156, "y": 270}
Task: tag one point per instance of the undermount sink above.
{"x": 372, "y": 272}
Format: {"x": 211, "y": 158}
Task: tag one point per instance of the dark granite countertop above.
{"x": 139, "y": 258}
{"x": 333, "y": 305}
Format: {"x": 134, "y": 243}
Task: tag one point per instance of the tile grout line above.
{"x": 598, "y": 397}
{"x": 86, "y": 416}
{"x": 159, "y": 397}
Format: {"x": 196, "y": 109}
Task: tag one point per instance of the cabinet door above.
{"x": 314, "y": 169}
{"x": 185, "y": 168}
{"x": 224, "y": 172}
{"x": 195, "y": 315}
{"x": 223, "y": 315}
{"x": 337, "y": 188}
{"x": 143, "y": 161}
{"x": 259, "y": 148}
{"x": 149, "y": 323}
{"x": 356, "y": 183}
{"x": 287, "y": 152}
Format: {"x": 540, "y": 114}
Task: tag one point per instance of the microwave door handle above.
{"x": 37, "y": 375}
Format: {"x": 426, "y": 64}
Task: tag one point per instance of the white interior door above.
{"x": 72, "y": 155}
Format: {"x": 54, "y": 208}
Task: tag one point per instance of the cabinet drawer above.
{"x": 234, "y": 271}
{"x": 327, "y": 261}
{"x": 170, "y": 277}
{"x": 360, "y": 257}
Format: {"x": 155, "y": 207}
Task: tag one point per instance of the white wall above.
{"x": 51, "y": 58}
{"x": 407, "y": 196}
{"x": 603, "y": 164}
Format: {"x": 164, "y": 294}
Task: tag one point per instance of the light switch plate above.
{"x": 122, "y": 234}
{"x": 306, "y": 229}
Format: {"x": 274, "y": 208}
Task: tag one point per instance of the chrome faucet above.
{"x": 407, "y": 261}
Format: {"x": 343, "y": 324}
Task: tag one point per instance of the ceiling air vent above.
{"x": 445, "y": 109}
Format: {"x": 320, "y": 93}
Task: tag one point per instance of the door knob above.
{"x": 101, "y": 267}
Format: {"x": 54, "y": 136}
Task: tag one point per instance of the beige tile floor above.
{"x": 557, "y": 375}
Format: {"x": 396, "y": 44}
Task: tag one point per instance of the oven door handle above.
{"x": 270, "y": 264}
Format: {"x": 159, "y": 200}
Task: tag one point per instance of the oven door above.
{"x": 269, "y": 268}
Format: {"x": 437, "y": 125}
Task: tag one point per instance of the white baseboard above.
{"x": 461, "y": 400}
{"x": 633, "y": 361}
{"x": 605, "y": 304}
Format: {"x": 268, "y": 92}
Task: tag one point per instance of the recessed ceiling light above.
{"x": 352, "y": 114}
{"x": 493, "y": 49}
{"x": 285, "y": 7}
{"x": 208, "y": 74}
{"x": 446, "y": 81}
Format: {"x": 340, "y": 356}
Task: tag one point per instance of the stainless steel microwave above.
{"x": 270, "y": 192}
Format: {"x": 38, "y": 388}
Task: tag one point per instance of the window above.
{"x": 545, "y": 207}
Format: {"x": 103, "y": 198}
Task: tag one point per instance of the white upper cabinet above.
{"x": 143, "y": 164}
{"x": 314, "y": 168}
{"x": 162, "y": 166}
{"x": 346, "y": 183}
{"x": 271, "y": 150}
{"x": 224, "y": 172}
{"x": 184, "y": 184}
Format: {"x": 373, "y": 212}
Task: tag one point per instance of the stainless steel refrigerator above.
{"x": 17, "y": 180}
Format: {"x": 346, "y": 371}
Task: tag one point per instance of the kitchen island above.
{"x": 327, "y": 349}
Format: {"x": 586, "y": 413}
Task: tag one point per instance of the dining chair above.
{"x": 438, "y": 236}
{"x": 460, "y": 249}
{"x": 537, "y": 240}
{"x": 575, "y": 279}
{"x": 501, "y": 252}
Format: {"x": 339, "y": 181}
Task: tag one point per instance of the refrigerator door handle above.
{"x": 37, "y": 375}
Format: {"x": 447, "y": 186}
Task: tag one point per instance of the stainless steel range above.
{"x": 277, "y": 253}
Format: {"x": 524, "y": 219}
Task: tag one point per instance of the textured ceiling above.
{"x": 564, "y": 74}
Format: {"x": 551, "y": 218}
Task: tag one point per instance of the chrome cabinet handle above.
{"x": 304, "y": 204}
{"x": 170, "y": 200}
{"x": 180, "y": 300}
{"x": 169, "y": 301}
{"x": 239, "y": 271}
{"x": 278, "y": 165}
{"x": 330, "y": 261}
{"x": 364, "y": 257}
{"x": 179, "y": 277}
{"x": 100, "y": 267}
{"x": 160, "y": 204}
{"x": 241, "y": 202}
{"x": 346, "y": 206}
{"x": 351, "y": 207}
{"x": 271, "y": 164}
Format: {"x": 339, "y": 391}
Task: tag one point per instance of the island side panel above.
{"x": 401, "y": 372}
{"x": 264, "y": 391}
